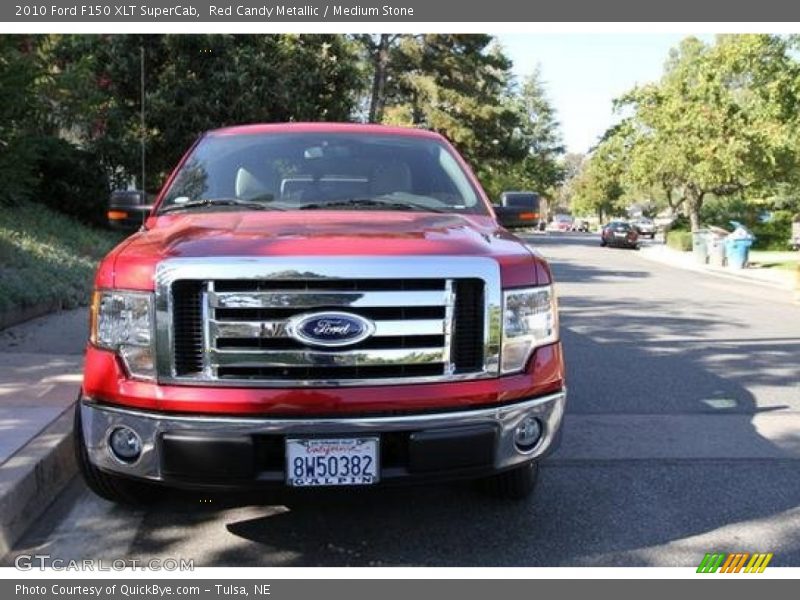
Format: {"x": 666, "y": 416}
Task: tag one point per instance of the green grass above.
{"x": 775, "y": 260}
{"x": 789, "y": 265}
{"x": 46, "y": 256}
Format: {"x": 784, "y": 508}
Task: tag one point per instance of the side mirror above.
{"x": 127, "y": 209}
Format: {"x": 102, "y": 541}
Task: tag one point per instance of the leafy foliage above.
{"x": 680, "y": 240}
{"x": 598, "y": 185}
{"x": 21, "y": 105}
{"x": 68, "y": 180}
{"x": 720, "y": 124}
{"x": 46, "y": 256}
{"x": 775, "y": 233}
{"x": 462, "y": 87}
{"x": 195, "y": 83}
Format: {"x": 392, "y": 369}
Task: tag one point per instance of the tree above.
{"x": 540, "y": 131}
{"x": 458, "y": 85}
{"x": 22, "y": 107}
{"x": 572, "y": 164}
{"x": 598, "y": 187}
{"x": 379, "y": 49}
{"x": 195, "y": 83}
{"x": 721, "y": 120}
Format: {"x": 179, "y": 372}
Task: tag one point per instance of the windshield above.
{"x": 322, "y": 170}
{"x": 517, "y": 200}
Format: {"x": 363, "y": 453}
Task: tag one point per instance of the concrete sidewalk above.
{"x": 41, "y": 365}
{"x": 775, "y": 278}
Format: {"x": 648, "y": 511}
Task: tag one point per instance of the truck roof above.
{"x": 365, "y": 128}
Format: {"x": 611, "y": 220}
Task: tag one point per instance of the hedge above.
{"x": 680, "y": 240}
{"x": 47, "y": 257}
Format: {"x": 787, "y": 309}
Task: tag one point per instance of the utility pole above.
{"x": 144, "y": 171}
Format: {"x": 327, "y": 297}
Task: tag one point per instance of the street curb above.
{"x": 650, "y": 255}
{"x": 32, "y": 478}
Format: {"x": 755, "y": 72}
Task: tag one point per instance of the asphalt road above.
{"x": 682, "y": 437}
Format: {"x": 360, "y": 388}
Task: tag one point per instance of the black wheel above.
{"x": 111, "y": 487}
{"x": 515, "y": 484}
{"x": 603, "y": 243}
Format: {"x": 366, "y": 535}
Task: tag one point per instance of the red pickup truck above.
{"x": 319, "y": 305}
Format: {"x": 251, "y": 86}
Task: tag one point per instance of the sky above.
{"x": 584, "y": 72}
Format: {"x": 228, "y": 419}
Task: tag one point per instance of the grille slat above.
{"x": 187, "y": 302}
{"x": 373, "y": 343}
{"x": 392, "y": 313}
{"x": 467, "y": 343}
{"x": 342, "y": 285}
{"x": 329, "y": 373}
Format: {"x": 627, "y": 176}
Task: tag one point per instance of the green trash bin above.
{"x": 700, "y": 245}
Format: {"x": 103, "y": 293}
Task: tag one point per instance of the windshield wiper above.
{"x": 211, "y": 202}
{"x": 367, "y": 203}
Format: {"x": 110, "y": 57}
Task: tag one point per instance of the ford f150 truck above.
{"x": 319, "y": 305}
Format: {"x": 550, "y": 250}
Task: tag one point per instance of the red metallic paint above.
{"x": 105, "y": 380}
{"x": 317, "y": 233}
{"x": 131, "y": 265}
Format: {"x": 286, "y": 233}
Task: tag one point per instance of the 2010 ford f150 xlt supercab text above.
{"x": 319, "y": 305}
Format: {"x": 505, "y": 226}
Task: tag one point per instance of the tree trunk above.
{"x": 380, "y": 63}
{"x": 694, "y": 202}
{"x": 673, "y": 204}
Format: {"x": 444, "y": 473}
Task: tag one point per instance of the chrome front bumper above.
{"x": 99, "y": 420}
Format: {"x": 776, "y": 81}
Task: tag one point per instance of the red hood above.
{"x": 318, "y": 233}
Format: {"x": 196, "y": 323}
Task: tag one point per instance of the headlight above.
{"x": 530, "y": 320}
{"x": 123, "y": 322}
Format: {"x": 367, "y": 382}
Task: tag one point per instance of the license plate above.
{"x": 321, "y": 462}
{"x": 618, "y": 234}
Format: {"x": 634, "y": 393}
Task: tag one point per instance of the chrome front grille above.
{"x": 240, "y": 347}
{"x": 432, "y": 326}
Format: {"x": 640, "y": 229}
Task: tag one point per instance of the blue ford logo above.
{"x": 330, "y": 329}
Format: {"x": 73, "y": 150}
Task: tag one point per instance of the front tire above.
{"x": 111, "y": 487}
{"x": 518, "y": 483}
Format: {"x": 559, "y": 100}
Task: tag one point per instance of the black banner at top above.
{"x": 360, "y": 11}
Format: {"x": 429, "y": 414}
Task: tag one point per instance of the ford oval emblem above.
{"x": 329, "y": 329}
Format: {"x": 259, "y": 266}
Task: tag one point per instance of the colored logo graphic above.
{"x": 735, "y": 562}
{"x": 330, "y": 329}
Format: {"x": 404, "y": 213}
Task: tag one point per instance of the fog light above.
{"x": 125, "y": 444}
{"x": 527, "y": 433}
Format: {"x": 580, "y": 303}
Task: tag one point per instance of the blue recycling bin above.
{"x": 737, "y": 251}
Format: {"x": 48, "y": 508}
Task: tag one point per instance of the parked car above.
{"x": 619, "y": 233}
{"x": 580, "y": 225}
{"x": 645, "y": 227}
{"x": 562, "y": 223}
{"x": 520, "y": 209}
{"x": 314, "y": 305}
